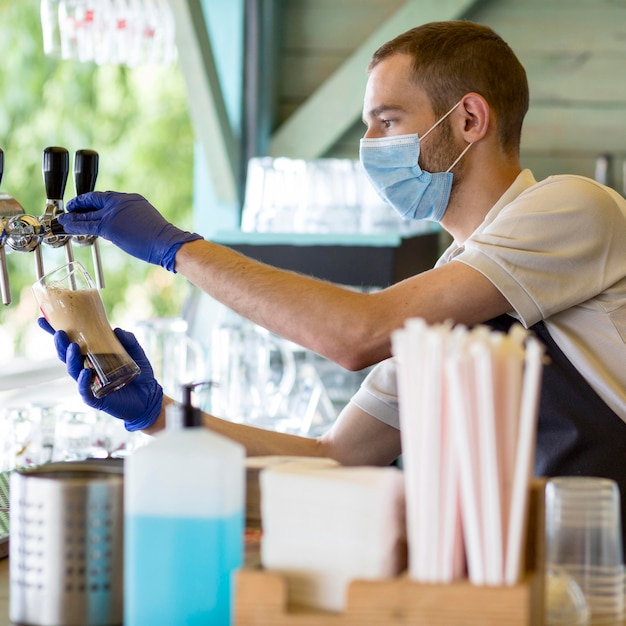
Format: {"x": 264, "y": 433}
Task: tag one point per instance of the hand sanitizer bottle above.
{"x": 184, "y": 495}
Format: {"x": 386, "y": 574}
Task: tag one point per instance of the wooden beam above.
{"x": 584, "y": 79}
{"x": 206, "y": 102}
{"x": 579, "y": 129}
{"x": 329, "y": 112}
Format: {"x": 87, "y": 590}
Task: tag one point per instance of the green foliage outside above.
{"x": 136, "y": 119}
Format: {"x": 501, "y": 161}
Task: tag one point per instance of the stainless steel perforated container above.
{"x": 66, "y": 548}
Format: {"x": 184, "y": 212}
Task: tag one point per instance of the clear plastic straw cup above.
{"x": 584, "y": 541}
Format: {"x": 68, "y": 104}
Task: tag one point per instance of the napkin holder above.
{"x": 262, "y": 596}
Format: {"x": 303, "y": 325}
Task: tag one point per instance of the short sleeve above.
{"x": 555, "y": 246}
{"x": 378, "y": 394}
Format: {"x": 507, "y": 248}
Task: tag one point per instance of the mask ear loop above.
{"x": 467, "y": 147}
{"x": 440, "y": 120}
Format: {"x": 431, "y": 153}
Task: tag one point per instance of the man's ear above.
{"x": 476, "y": 114}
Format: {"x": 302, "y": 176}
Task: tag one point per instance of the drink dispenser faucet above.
{"x": 25, "y": 233}
{"x": 55, "y": 169}
{"x": 85, "y": 174}
{"x": 10, "y": 209}
{"x": 4, "y": 274}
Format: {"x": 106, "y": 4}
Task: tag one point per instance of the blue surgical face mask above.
{"x": 391, "y": 164}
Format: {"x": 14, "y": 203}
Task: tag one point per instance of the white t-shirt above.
{"x": 557, "y": 251}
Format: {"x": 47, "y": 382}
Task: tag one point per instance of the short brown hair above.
{"x": 456, "y": 57}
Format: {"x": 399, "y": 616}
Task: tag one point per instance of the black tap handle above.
{"x": 56, "y": 166}
{"x": 85, "y": 170}
{"x": 1, "y": 164}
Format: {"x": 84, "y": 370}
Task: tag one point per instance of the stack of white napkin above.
{"x": 323, "y": 527}
{"x": 468, "y": 410}
{"x": 255, "y": 465}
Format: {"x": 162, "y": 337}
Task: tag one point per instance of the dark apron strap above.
{"x": 577, "y": 433}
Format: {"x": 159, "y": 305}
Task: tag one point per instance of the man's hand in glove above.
{"x": 138, "y": 403}
{"x": 130, "y": 222}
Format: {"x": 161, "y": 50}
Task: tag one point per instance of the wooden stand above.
{"x": 262, "y": 598}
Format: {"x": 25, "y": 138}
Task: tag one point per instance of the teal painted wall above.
{"x": 225, "y": 23}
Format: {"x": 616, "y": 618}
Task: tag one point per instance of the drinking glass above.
{"x": 175, "y": 357}
{"x": 70, "y": 301}
{"x": 253, "y": 371}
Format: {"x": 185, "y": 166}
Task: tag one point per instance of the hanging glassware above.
{"x": 119, "y": 32}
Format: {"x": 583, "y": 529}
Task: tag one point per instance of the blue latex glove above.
{"x": 130, "y": 222}
{"x": 138, "y": 403}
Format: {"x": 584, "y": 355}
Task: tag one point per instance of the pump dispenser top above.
{"x": 185, "y": 414}
{"x": 192, "y": 416}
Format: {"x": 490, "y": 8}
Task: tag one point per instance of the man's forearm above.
{"x": 256, "y": 441}
{"x": 330, "y": 320}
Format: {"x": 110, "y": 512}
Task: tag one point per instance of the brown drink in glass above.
{"x": 70, "y": 301}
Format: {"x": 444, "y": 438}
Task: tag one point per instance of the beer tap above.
{"x": 55, "y": 169}
{"x": 26, "y": 233}
{"x": 10, "y": 209}
{"x": 21, "y": 232}
{"x": 85, "y": 175}
{"x": 8, "y": 206}
{"x": 4, "y": 273}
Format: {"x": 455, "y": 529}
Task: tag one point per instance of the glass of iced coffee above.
{"x": 70, "y": 301}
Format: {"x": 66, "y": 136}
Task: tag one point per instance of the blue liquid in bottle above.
{"x": 190, "y": 564}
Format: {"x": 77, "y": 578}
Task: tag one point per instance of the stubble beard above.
{"x": 441, "y": 152}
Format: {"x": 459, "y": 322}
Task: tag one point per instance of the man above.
{"x": 444, "y": 106}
